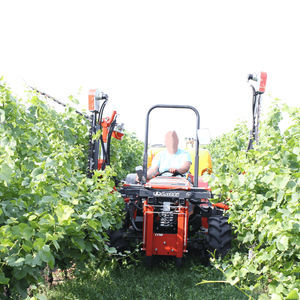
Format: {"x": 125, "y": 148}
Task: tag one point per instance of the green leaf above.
{"x": 268, "y": 178}
{"x": 3, "y": 279}
{"x": 38, "y": 243}
{"x": 47, "y": 221}
{"x": 46, "y": 256}
{"x": 276, "y": 296}
{"x": 105, "y": 223}
{"x": 263, "y": 297}
{"x": 36, "y": 261}
{"x": 281, "y": 181}
{"x": 94, "y": 224}
{"x": 16, "y": 263}
{"x": 28, "y": 259}
{"x": 63, "y": 213}
{"x": 56, "y": 245}
{"x": 296, "y": 150}
{"x": 37, "y": 171}
{"x": 5, "y": 172}
{"x": 32, "y": 217}
{"x": 249, "y": 237}
{"x": 282, "y": 243}
{"x": 293, "y": 295}
{"x": 26, "y": 231}
{"x": 110, "y": 250}
{"x": 26, "y": 248}
{"x": 41, "y": 297}
{"x": 20, "y": 273}
{"x": 80, "y": 243}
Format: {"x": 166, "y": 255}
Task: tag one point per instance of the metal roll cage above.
{"x": 197, "y": 139}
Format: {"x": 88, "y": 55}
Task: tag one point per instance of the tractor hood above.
{"x": 169, "y": 183}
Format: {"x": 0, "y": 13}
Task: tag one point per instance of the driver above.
{"x": 172, "y": 159}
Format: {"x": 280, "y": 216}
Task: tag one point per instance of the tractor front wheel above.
{"x": 219, "y": 235}
{"x": 178, "y": 262}
{"x": 118, "y": 240}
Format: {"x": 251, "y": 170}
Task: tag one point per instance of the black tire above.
{"x": 178, "y": 262}
{"x": 219, "y": 235}
{"x": 118, "y": 241}
{"x": 149, "y": 262}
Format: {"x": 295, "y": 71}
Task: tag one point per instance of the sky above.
{"x": 143, "y": 53}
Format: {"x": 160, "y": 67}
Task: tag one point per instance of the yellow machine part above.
{"x": 151, "y": 153}
{"x": 205, "y": 163}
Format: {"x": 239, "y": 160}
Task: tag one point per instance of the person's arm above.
{"x": 152, "y": 172}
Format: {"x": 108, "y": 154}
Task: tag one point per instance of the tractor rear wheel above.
{"x": 219, "y": 235}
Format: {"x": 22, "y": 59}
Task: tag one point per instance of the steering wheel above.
{"x": 173, "y": 174}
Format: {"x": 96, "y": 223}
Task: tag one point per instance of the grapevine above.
{"x": 51, "y": 214}
{"x": 262, "y": 187}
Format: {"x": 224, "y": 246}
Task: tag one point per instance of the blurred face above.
{"x": 171, "y": 142}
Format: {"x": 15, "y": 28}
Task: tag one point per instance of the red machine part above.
{"x": 263, "y": 81}
{"x": 92, "y": 102}
{"x": 161, "y": 243}
{"x": 117, "y": 135}
{"x": 221, "y": 205}
{"x": 105, "y": 124}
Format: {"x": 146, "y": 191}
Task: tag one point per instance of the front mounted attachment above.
{"x": 95, "y": 96}
{"x": 256, "y": 104}
{"x": 101, "y": 131}
{"x": 262, "y": 81}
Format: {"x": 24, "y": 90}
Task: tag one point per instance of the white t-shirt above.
{"x": 164, "y": 160}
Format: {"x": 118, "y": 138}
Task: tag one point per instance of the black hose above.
{"x": 91, "y": 161}
{"x": 253, "y": 131}
{"x": 101, "y": 113}
{"x": 132, "y": 218}
{"x": 104, "y": 153}
{"x": 101, "y": 139}
{"x": 111, "y": 130}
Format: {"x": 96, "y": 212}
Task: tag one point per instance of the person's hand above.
{"x": 172, "y": 170}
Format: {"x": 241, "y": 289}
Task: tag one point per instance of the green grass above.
{"x": 163, "y": 281}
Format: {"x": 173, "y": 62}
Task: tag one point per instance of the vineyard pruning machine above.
{"x": 167, "y": 214}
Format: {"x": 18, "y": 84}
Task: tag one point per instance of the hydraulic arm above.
{"x": 101, "y": 131}
{"x": 256, "y": 105}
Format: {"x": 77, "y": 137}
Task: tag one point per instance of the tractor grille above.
{"x": 165, "y": 217}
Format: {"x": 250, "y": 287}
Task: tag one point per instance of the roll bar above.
{"x": 197, "y": 139}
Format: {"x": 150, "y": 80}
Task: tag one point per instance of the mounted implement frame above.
{"x": 256, "y": 106}
{"x": 101, "y": 131}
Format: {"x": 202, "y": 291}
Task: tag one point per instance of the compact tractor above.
{"x": 169, "y": 213}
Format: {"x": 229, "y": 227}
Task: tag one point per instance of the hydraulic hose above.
{"x": 132, "y": 218}
{"x": 111, "y": 130}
